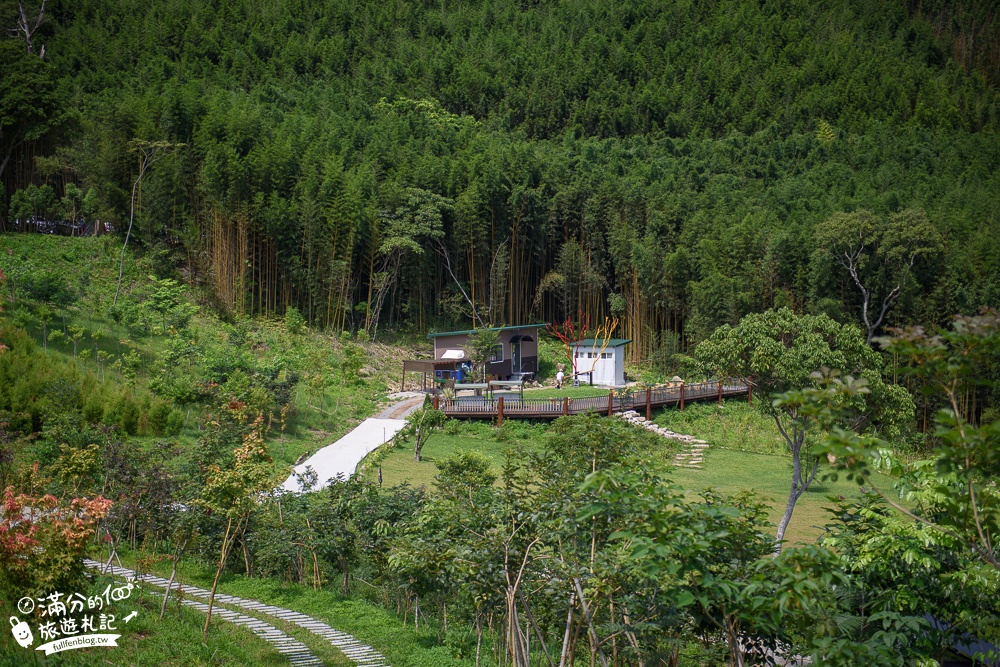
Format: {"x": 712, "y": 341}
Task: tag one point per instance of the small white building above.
{"x": 605, "y": 359}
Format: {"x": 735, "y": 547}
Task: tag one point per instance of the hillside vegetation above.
{"x": 413, "y": 165}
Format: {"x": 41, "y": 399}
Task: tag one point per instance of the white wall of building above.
{"x": 608, "y": 366}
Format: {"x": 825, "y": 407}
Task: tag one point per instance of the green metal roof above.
{"x": 471, "y": 331}
{"x": 599, "y": 342}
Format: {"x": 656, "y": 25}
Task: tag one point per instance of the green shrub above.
{"x": 93, "y": 410}
{"x": 294, "y": 321}
{"x": 123, "y": 414}
{"x": 175, "y": 422}
{"x": 158, "y": 415}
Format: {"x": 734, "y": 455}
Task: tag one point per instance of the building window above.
{"x": 497, "y": 354}
{"x": 605, "y": 355}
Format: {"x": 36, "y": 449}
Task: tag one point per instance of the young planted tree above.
{"x": 602, "y": 338}
{"x": 71, "y": 203}
{"x": 779, "y": 351}
{"x": 234, "y": 492}
{"x": 880, "y": 255}
{"x": 421, "y": 424}
{"x": 482, "y": 346}
{"x": 569, "y": 333}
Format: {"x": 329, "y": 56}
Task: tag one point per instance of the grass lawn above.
{"x": 733, "y": 425}
{"x": 770, "y": 476}
{"x": 745, "y": 453}
{"x": 398, "y": 465}
{"x": 583, "y": 391}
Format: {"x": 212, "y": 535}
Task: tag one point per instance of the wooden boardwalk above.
{"x": 640, "y": 400}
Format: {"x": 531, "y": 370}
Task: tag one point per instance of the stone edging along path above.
{"x": 297, "y": 652}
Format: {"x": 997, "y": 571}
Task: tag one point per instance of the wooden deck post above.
{"x": 649, "y": 399}
{"x": 437, "y": 402}
{"x": 611, "y": 401}
{"x": 749, "y": 392}
{"x": 402, "y": 383}
{"x": 500, "y": 411}
{"x": 682, "y": 397}
{"x": 565, "y": 405}
{"x": 720, "y": 391}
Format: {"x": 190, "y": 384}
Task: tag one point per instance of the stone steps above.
{"x": 693, "y": 453}
{"x": 298, "y": 653}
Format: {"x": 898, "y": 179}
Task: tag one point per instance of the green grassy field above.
{"x": 745, "y": 453}
{"x": 733, "y": 425}
{"x": 398, "y": 465}
{"x": 769, "y": 476}
{"x": 583, "y": 391}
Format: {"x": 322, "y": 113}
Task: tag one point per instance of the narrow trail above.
{"x": 692, "y": 455}
{"x": 298, "y": 653}
{"x": 402, "y": 409}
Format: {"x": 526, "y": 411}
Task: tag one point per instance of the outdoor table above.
{"x": 509, "y": 384}
{"x": 477, "y": 386}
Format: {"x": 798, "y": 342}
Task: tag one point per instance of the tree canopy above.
{"x": 780, "y": 353}
{"x": 666, "y": 163}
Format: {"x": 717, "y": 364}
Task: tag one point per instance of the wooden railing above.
{"x": 640, "y": 400}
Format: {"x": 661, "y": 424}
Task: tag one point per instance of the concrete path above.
{"x": 342, "y": 457}
{"x": 297, "y": 652}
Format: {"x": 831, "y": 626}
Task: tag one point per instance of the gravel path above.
{"x": 297, "y": 652}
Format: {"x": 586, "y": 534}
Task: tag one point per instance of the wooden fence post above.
{"x": 500, "y": 411}
{"x": 649, "y": 400}
{"x": 749, "y": 392}
{"x": 682, "y": 397}
{"x": 720, "y": 391}
{"x": 565, "y": 405}
{"x": 611, "y": 401}
{"x": 437, "y": 402}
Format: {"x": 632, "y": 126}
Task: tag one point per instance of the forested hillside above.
{"x": 412, "y": 165}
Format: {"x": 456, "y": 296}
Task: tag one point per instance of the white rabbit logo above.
{"x": 21, "y": 631}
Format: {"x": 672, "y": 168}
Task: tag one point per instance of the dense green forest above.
{"x": 413, "y": 165}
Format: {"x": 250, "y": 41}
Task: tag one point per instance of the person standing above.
{"x": 559, "y": 377}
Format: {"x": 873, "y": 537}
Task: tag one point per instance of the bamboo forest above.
{"x": 468, "y": 332}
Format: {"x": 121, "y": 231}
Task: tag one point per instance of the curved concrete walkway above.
{"x": 341, "y": 458}
{"x": 297, "y": 652}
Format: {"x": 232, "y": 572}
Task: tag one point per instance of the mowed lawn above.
{"x": 725, "y": 469}
{"x": 399, "y": 467}
{"x": 770, "y": 476}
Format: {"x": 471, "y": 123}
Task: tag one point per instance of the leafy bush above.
{"x": 158, "y": 415}
{"x": 43, "y": 555}
{"x": 175, "y": 423}
{"x": 123, "y": 413}
{"x": 294, "y": 321}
